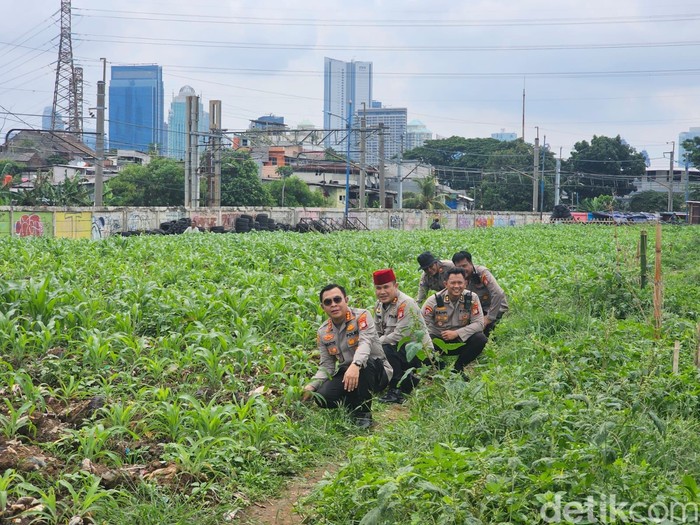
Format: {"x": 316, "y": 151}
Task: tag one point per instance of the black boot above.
{"x": 393, "y": 395}
{"x": 363, "y": 419}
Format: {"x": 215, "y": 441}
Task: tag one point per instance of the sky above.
{"x": 600, "y": 67}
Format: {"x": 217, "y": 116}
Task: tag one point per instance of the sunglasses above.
{"x": 330, "y": 300}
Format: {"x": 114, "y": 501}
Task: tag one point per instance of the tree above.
{"x": 599, "y": 203}
{"x": 240, "y": 183}
{"x": 296, "y": 193}
{"x": 654, "y": 201}
{"x": 426, "y": 198}
{"x": 692, "y": 151}
{"x": 161, "y": 182}
{"x": 604, "y": 166}
{"x": 70, "y": 192}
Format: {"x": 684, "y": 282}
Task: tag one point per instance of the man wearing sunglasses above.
{"x": 353, "y": 365}
{"x": 397, "y": 316}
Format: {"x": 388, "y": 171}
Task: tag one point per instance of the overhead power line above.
{"x": 394, "y": 22}
{"x": 118, "y": 39}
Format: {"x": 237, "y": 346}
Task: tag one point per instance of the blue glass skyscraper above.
{"x": 136, "y": 108}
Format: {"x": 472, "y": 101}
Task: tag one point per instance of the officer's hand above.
{"x": 487, "y": 322}
{"x": 351, "y": 377}
{"x": 449, "y": 335}
{"x": 308, "y": 391}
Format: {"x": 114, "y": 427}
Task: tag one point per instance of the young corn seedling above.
{"x": 17, "y": 419}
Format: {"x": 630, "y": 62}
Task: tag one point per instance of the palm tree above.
{"x": 426, "y": 198}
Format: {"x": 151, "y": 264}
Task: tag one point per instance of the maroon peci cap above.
{"x": 384, "y": 276}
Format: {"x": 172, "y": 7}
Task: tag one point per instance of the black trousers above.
{"x": 491, "y": 326}
{"x": 399, "y": 364}
{"x": 468, "y": 351}
{"x": 373, "y": 378}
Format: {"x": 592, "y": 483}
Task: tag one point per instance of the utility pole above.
{"x": 536, "y": 171}
{"x": 191, "y": 158}
{"x": 670, "y": 176}
{"x": 363, "y": 154}
{"x": 215, "y": 129}
{"x": 399, "y": 174}
{"x": 382, "y": 188}
{"x": 523, "y": 132}
{"x": 100, "y": 138}
{"x": 557, "y": 180}
{"x": 544, "y": 151}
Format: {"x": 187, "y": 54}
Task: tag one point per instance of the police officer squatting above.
{"x": 353, "y": 365}
{"x": 397, "y": 318}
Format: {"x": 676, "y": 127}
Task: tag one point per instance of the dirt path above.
{"x": 280, "y": 510}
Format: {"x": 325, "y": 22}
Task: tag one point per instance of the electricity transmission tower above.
{"x": 68, "y": 90}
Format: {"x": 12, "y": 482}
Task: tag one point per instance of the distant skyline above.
{"x": 628, "y": 67}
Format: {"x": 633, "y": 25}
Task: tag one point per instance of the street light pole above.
{"x": 348, "y": 121}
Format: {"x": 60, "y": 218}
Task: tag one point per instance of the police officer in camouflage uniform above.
{"x": 481, "y": 282}
{"x": 434, "y": 275}
{"x": 454, "y": 315}
{"x": 353, "y": 364}
{"x": 396, "y": 317}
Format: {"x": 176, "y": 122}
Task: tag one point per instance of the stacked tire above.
{"x": 242, "y": 224}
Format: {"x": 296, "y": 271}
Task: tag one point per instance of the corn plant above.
{"x": 7, "y": 479}
{"x": 49, "y": 511}
{"x": 210, "y": 419}
{"x": 203, "y": 456}
{"x": 90, "y": 442}
{"x": 17, "y": 419}
{"x": 120, "y": 418}
{"x": 85, "y": 495}
{"x": 169, "y": 420}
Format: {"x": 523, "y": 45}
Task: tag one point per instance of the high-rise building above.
{"x": 394, "y": 121}
{"x": 177, "y": 123}
{"x": 46, "y": 119}
{"x": 416, "y": 135}
{"x": 682, "y": 137}
{"x": 344, "y": 82}
{"x": 136, "y": 108}
{"x": 268, "y": 122}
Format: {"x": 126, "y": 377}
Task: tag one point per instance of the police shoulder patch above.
{"x": 475, "y": 308}
{"x": 484, "y": 279}
{"x": 401, "y": 312}
{"x": 427, "y": 310}
{"x": 362, "y": 321}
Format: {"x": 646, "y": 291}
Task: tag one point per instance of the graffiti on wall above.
{"x": 138, "y": 221}
{"x": 105, "y": 225}
{"x": 31, "y": 225}
{"x": 464, "y": 222}
{"x": 395, "y": 222}
{"x": 73, "y": 225}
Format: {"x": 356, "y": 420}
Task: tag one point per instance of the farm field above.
{"x": 157, "y": 380}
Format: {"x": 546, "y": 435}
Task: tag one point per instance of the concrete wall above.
{"x": 96, "y": 223}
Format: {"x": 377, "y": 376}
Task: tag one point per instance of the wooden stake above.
{"x": 676, "y": 356}
{"x": 658, "y": 294}
{"x": 643, "y": 257}
{"x": 697, "y": 352}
